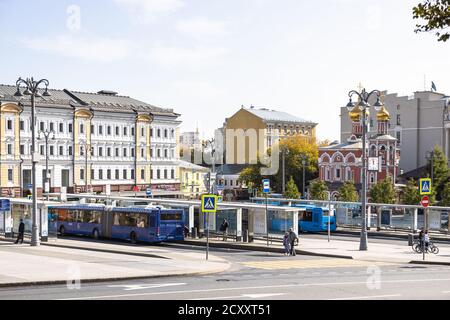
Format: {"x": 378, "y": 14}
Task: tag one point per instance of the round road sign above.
{"x": 425, "y": 202}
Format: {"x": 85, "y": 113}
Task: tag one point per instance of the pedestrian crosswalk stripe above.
{"x": 312, "y": 264}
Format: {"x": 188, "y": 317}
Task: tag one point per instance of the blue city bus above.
{"x": 134, "y": 224}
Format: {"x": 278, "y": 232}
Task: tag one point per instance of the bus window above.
{"x": 152, "y": 221}
{"x": 171, "y": 216}
{"x": 307, "y": 216}
{"x": 91, "y": 217}
{"x": 325, "y": 213}
{"x": 142, "y": 220}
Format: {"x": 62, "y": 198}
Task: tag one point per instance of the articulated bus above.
{"x": 134, "y": 224}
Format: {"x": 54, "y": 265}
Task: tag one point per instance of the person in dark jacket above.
{"x": 21, "y": 232}
{"x": 292, "y": 239}
{"x": 224, "y": 229}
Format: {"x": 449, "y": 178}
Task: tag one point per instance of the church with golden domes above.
{"x": 342, "y": 162}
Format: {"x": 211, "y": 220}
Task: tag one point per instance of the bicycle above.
{"x": 431, "y": 248}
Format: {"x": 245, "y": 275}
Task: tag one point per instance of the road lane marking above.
{"x": 369, "y": 297}
{"x": 312, "y": 264}
{"x": 251, "y": 296}
{"x": 251, "y": 288}
{"x": 132, "y": 287}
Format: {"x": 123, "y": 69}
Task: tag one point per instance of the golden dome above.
{"x": 383, "y": 115}
{"x": 355, "y": 114}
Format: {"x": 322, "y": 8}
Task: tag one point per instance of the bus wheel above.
{"x": 62, "y": 231}
{"x": 133, "y": 238}
{"x": 95, "y": 234}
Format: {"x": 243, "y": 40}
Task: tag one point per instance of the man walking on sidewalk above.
{"x": 224, "y": 229}
{"x": 292, "y": 239}
{"x": 21, "y": 232}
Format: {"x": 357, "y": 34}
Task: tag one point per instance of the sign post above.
{"x": 266, "y": 191}
{"x": 209, "y": 205}
{"x": 425, "y": 202}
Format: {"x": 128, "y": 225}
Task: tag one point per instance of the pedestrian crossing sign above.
{"x": 209, "y": 203}
{"x": 425, "y": 186}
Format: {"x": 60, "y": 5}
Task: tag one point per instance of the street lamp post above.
{"x": 47, "y": 134}
{"x": 32, "y": 90}
{"x": 363, "y": 105}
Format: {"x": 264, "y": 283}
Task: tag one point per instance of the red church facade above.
{"x": 339, "y": 163}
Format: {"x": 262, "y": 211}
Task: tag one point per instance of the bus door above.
{"x": 107, "y": 220}
{"x": 171, "y": 224}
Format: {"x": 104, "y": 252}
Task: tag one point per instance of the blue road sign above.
{"x": 266, "y": 186}
{"x": 149, "y": 192}
{"x": 5, "y": 205}
{"x": 425, "y": 186}
{"x": 220, "y": 187}
{"x": 209, "y": 203}
{"x": 30, "y": 186}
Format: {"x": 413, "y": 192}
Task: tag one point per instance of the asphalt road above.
{"x": 261, "y": 276}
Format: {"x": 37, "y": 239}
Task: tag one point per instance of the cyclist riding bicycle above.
{"x": 421, "y": 238}
{"x": 426, "y": 238}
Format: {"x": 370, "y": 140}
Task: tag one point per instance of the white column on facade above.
{"x": 191, "y": 218}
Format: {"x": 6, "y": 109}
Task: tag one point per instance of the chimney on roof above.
{"x": 108, "y": 93}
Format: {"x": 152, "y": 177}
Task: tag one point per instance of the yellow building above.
{"x": 193, "y": 179}
{"x": 252, "y": 131}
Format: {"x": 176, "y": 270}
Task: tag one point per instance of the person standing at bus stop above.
{"x": 292, "y": 239}
{"x": 21, "y": 232}
{"x": 224, "y": 229}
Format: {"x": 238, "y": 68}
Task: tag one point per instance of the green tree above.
{"x": 436, "y": 16}
{"x": 440, "y": 171}
{"x": 252, "y": 177}
{"x": 411, "y": 193}
{"x": 383, "y": 192}
{"x": 291, "y": 190}
{"x": 445, "y": 201}
{"x": 296, "y": 149}
{"x": 348, "y": 192}
{"x": 318, "y": 190}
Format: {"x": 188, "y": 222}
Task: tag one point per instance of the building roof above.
{"x": 192, "y": 166}
{"x": 347, "y": 145}
{"x": 230, "y": 169}
{"x": 278, "y": 116}
{"x": 104, "y": 100}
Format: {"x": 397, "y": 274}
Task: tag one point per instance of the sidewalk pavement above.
{"x": 58, "y": 262}
{"x": 377, "y": 252}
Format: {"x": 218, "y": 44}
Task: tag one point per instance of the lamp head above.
{"x": 27, "y": 92}
{"x": 378, "y": 105}
{"x": 18, "y": 93}
{"x": 46, "y": 93}
{"x": 350, "y": 105}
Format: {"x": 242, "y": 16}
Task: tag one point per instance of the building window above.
{"x": 10, "y": 175}
{"x": 151, "y": 133}
{"x": 132, "y": 174}
{"x": 151, "y": 153}
{"x": 142, "y": 153}
{"x": 81, "y": 174}
{"x": 22, "y": 125}
{"x": 399, "y": 136}
{"x": 81, "y": 151}
{"x": 81, "y": 128}
{"x": 143, "y": 132}
{"x": 100, "y": 174}
{"x": 159, "y": 133}
{"x": 124, "y": 152}
{"x": 132, "y": 152}
{"x": 172, "y": 174}
{"x": 327, "y": 174}
{"x": 117, "y": 152}
{"x": 117, "y": 131}
{"x": 92, "y": 129}
{"x": 117, "y": 174}
{"x": 108, "y": 174}
{"x": 108, "y": 152}
{"x": 399, "y": 119}
{"x": 9, "y": 149}
{"x": 172, "y": 133}
{"x": 165, "y": 153}
{"x": 142, "y": 174}
{"x": 100, "y": 130}
{"x": 52, "y": 150}
{"x": 338, "y": 173}
{"x": 42, "y": 126}
{"x": 159, "y": 153}
{"x": 372, "y": 178}
{"x": 158, "y": 174}
{"x": 70, "y": 150}
{"x": 100, "y": 151}
{"x": 61, "y": 127}
{"x": 125, "y": 131}
{"x": 108, "y": 130}
{"x": 132, "y": 131}
{"x": 52, "y": 126}
{"x": 22, "y": 149}
{"x": 151, "y": 174}
{"x": 125, "y": 174}
{"x": 70, "y": 128}
{"x": 61, "y": 150}
{"x": 165, "y": 133}
{"x": 42, "y": 151}
{"x": 165, "y": 174}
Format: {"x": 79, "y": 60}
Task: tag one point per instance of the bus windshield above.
{"x": 171, "y": 216}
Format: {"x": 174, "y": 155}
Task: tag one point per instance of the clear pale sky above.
{"x": 206, "y": 58}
